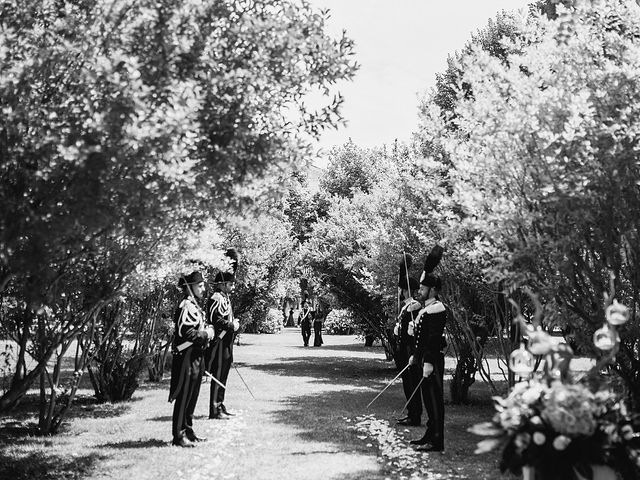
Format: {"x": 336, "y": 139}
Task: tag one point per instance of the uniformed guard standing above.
{"x": 219, "y": 357}
{"x": 190, "y": 338}
{"x": 430, "y": 345}
{"x": 304, "y": 322}
{"x": 404, "y": 332}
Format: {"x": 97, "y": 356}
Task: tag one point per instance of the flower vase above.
{"x": 600, "y": 472}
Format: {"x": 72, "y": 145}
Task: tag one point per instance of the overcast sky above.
{"x": 400, "y": 45}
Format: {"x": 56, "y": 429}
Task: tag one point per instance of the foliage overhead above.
{"x": 125, "y": 124}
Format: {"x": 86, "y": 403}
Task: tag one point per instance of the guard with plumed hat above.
{"x": 429, "y": 353}
{"x": 190, "y": 339}
{"x": 404, "y": 333}
{"x": 219, "y": 355}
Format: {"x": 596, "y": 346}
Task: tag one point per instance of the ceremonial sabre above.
{"x": 388, "y": 385}
{"x": 215, "y": 379}
{"x": 414, "y": 392}
{"x": 245, "y": 383}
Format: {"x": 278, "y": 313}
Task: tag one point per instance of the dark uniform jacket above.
{"x": 189, "y": 342}
{"x": 406, "y": 322}
{"x": 429, "y": 333}
{"x": 305, "y": 317}
{"x": 221, "y": 318}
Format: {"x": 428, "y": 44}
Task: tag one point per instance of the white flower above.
{"x": 617, "y": 314}
{"x": 522, "y": 440}
{"x": 561, "y": 442}
{"x": 569, "y": 409}
{"x": 532, "y": 394}
{"x": 627, "y": 432}
{"x": 536, "y": 420}
{"x": 540, "y": 342}
{"x": 539, "y": 438}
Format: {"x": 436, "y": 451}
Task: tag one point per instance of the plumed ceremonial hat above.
{"x": 222, "y": 277}
{"x": 191, "y": 279}
{"x": 427, "y": 278}
{"x": 414, "y": 284}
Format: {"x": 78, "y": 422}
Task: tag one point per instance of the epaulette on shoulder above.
{"x": 217, "y": 297}
{"x": 413, "y": 306}
{"x": 436, "y": 307}
{"x": 189, "y": 304}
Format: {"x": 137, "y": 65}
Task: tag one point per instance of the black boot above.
{"x": 432, "y": 446}
{"x": 410, "y": 422}
{"x": 426, "y": 438}
{"x": 182, "y": 442}
{"x": 192, "y": 437}
{"x": 218, "y": 414}
{"x": 225, "y": 411}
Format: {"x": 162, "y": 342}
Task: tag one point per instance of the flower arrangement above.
{"x": 561, "y": 426}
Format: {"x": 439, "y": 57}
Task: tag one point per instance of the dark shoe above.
{"x": 409, "y": 422}
{"x": 192, "y": 437}
{"x": 431, "y": 447}
{"x": 218, "y": 414}
{"x": 224, "y": 410}
{"x": 426, "y": 438}
{"x": 182, "y": 442}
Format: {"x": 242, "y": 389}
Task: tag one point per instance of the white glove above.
{"x": 410, "y": 329}
{"x": 427, "y": 369}
{"x": 396, "y": 329}
{"x": 236, "y": 325}
{"x": 210, "y": 332}
{"x": 412, "y": 360}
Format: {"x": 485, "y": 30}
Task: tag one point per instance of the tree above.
{"x": 124, "y": 125}
{"x": 351, "y": 169}
{"x": 546, "y": 170}
{"x": 267, "y": 257}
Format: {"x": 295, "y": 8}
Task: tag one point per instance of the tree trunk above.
{"x": 21, "y": 364}
{"x": 463, "y": 377}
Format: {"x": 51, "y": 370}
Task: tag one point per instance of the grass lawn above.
{"x": 308, "y": 421}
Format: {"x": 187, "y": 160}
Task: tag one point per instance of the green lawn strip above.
{"x": 301, "y": 425}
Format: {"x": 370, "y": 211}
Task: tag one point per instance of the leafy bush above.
{"x": 340, "y": 322}
{"x": 269, "y": 321}
{"x": 116, "y": 379}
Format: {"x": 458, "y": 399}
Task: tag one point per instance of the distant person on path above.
{"x": 291, "y": 321}
{"x": 304, "y": 322}
{"x": 404, "y": 332}
{"x": 220, "y": 356}
{"x": 430, "y": 346}
{"x": 317, "y": 330}
{"x": 190, "y": 338}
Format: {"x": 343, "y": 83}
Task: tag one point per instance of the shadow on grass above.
{"x": 324, "y": 368}
{"x": 128, "y": 444}
{"x": 164, "y": 418}
{"x": 38, "y": 465}
{"x": 17, "y": 431}
{"x": 83, "y": 406}
{"x": 369, "y": 372}
{"x": 352, "y": 347}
